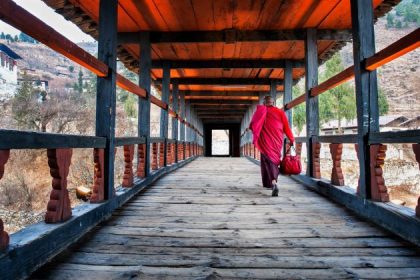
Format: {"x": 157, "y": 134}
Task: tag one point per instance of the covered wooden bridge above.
{"x": 210, "y": 219}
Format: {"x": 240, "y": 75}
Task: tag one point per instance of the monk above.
{"x": 268, "y": 126}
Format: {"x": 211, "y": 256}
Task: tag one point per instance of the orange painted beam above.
{"x": 298, "y": 100}
{"x": 222, "y": 97}
{"x": 158, "y": 102}
{"x": 21, "y": 19}
{"x": 334, "y": 81}
{"x": 128, "y": 85}
{"x": 399, "y": 48}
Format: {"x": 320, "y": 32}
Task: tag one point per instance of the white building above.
{"x": 8, "y": 72}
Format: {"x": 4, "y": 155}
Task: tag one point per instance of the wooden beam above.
{"x": 128, "y": 85}
{"x": 334, "y": 81}
{"x": 223, "y": 81}
{"x": 220, "y": 93}
{"x": 399, "y": 48}
{"x": 24, "y": 21}
{"x": 221, "y": 102}
{"x": 311, "y": 81}
{"x": 221, "y": 97}
{"x": 106, "y": 89}
{"x": 230, "y": 36}
{"x": 144, "y": 104}
{"x": 14, "y": 139}
{"x": 227, "y": 63}
{"x": 366, "y": 88}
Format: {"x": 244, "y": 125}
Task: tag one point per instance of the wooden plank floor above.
{"x": 212, "y": 220}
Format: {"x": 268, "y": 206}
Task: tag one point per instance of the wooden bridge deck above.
{"x": 212, "y": 219}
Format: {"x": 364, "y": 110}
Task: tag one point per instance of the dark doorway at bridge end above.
{"x": 234, "y": 138}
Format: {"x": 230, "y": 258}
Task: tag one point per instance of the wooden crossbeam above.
{"x": 220, "y": 93}
{"x": 230, "y": 36}
{"x": 221, "y": 102}
{"x": 223, "y": 81}
{"x": 222, "y": 97}
{"x": 227, "y": 64}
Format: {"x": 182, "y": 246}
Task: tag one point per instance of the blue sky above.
{"x": 42, "y": 11}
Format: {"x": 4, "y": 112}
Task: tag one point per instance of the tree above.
{"x": 71, "y": 68}
{"x": 382, "y": 103}
{"x": 389, "y": 20}
{"x": 80, "y": 82}
{"x": 339, "y": 102}
{"x": 299, "y": 112}
{"x": 2, "y": 36}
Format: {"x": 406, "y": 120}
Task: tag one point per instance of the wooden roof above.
{"x": 234, "y": 24}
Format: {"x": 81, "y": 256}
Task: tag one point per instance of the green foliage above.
{"x": 408, "y": 11}
{"x": 80, "y": 82}
{"x": 71, "y": 68}
{"x": 26, "y": 38}
{"x": 299, "y": 112}
{"x": 339, "y": 102}
{"x": 382, "y": 103}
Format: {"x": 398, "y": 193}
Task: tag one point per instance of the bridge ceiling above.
{"x": 227, "y": 30}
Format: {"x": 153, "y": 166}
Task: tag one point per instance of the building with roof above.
{"x": 8, "y": 71}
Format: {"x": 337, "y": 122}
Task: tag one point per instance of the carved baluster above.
{"x": 379, "y": 191}
{"x": 128, "y": 176}
{"x": 416, "y": 150}
{"x": 299, "y": 150}
{"x": 169, "y": 153}
{"x": 154, "y": 156}
{"x": 59, "y": 208}
{"x": 4, "y": 237}
{"x": 141, "y": 167}
{"x": 356, "y": 147}
{"x": 161, "y": 154}
{"x": 316, "y": 164}
{"x": 98, "y": 176}
{"x": 337, "y": 177}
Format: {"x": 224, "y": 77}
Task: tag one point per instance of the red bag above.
{"x": 290, "y": 165}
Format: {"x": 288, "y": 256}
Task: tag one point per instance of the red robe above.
{"x": 268, "y": 125}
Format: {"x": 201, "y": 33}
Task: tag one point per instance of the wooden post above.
{"x": 106, "y": 89}
{"x": 273, "y": 90}
{"x": 366, "y": 87}
{"x": 162, "y": 157}
{"x": 98, "y": 189}
{"x": 128, "y": 176}
{"x": 182, "y": 114}
{"x": 144, "y": 104}
{"x": 164, "y": 113}
{"x": 154, "y": 156}
{"x": 337, "y": 177}
{"x": 288, "y": 84}
{"x": 416, "y": 150}
{"x": 175, "y": 121}
{"x": 4, "y": 237}
{"x": 59, "y": 207}
{"x": 378, "y": 189}
{"x": 312, "y": 114}
{"x": 141, "y": 156}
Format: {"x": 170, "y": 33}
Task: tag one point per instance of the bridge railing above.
{"x": 67, "y": 223}
{"x": 370, "y": 200}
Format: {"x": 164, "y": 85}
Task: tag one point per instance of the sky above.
{"x": 39, "y": 9}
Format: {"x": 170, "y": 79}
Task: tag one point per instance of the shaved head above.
{"x": 268, "y": 100}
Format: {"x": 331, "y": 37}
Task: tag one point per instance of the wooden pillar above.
{"x": 144, "y": 104}
{"x": 175, "y": 121}
{"x": 166, "y": 80}
{"x": 273, "y": 90}
{"x": 416, "y": 150}
{"x": 106, "y": 89}
{"x": 182, "y": 114}
{"x": 312, "y": 113}
{"x": 288, "y": 84}
{"x": 366, "y": 87}
{"x": 4, "y": 236}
